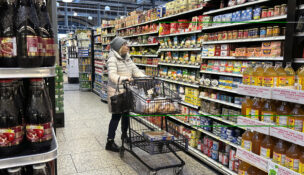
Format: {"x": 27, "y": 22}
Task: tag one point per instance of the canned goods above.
{"x": 263, "y": 32}
{"x": 209, "y": 143}
{"x": 264, "y": 13}
{"x": 240, "y": 34}
{"x": 234, "y": 34}
{"x": 245, "y": 35}
{"x": 269, "y": 32}
{"x": 220, "y": 36}
{"x": 283, "y": 31}
{"x": 209, "y": 152}
{"x": 229, "y": 37}
{"x": 276, "y": 31}
{"x": 231, "y": 165}
{"x": 225, "y": 159}
{"x": 277, "y": 10}
{"x": 232, "y": 154}
{"x": 221, "y": 157}
{"x": 250, "y": 33}
{"x": 283, "y": 9}
{"x": 215, "y": 145}
{"x": 214, "y": 155}
{"x": 255, "y": 33}
{"x": 225, "y": 35}
{"x": 270, "y": 12}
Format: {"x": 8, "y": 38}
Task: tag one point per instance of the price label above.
{"x": 288, "y": 135}
{"x": 289, "y": 95}
{"x": 274, "y": 168}
{"x": 258, "y": 91}
{"x": 252, "y": 159}
{"x": 254, "y": 125}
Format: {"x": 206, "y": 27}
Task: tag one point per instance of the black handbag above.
{"x": 121, "y": 102}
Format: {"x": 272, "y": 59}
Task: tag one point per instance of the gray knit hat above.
{"x": 117, "y": 42}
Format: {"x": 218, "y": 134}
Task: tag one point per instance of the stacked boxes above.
{"x": 192, "y": 96}
{"x": 59, "y": 90}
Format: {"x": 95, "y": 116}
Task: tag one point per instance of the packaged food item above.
{"x": 283, "y": 9}
{"x": 192, "y": 76}
{"x": 175, "y": 57}
{"x": 175, "y": 42}
{"x": 192, "y": 58}
{"x": 269, "y": 32}
{"x": 185, "y": 74}
{"x": 186, "y": 58}
{"x": 257, "y": 141}
{"x": 277, "y": 10}
{"x": 267, "y": 147}
{"x": 270, "y": 12}
{"x": 179, "y": 73}
{"x": 263, "y": 32}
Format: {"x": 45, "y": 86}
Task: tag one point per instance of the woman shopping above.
{"x": 120, "y": 68}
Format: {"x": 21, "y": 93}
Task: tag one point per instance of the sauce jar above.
{"x": 283, "y": 31}
{"x": 245, "y": 35}
{"x": 264, "y": 13}
{"x": 283, "y": 9}
{"x": 235, "y": 34}
{"x": 225, "y": 35}
{"x": 230, "y": 33}
{"x": 263, "y": 32}
{"x": 277, "y": 10}
{"x": 240, "y": 34}
{"x": 250, "y": 32}
{"x": 220, "y": 36}
{"x": 276, "y": 31}
{"x": 270, "y": 12}
{"x": 256, "y": 33}
{"x": 269, "y": 32}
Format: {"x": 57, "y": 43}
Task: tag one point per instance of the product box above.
{"x": 205, "y": 53}
{"x": 257, "y": 52}
{"x": 211, "y": 53}
{"x": 238, "y": 16}
{"x": 205, "y": 47}
{"x": 266, "y": 45}
{"x": 211, "y": 48}
{"x": 217, "y": 53}
{"x": 266, "y": 52}
{"x": 225, "y": 53}
{"x": 218, "y": 47}
{"x": 225, "y": 47}
{"x": 158, "y": 136}
{"x": 250, "y": 52}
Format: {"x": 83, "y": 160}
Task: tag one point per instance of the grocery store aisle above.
{"x": 82, "y": 143}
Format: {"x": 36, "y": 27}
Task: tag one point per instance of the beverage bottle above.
{"x": 247, "y": 140}
{"x": 38, "y": 117}
{"x": 243, "y": 168}
{"x": 296, "y": 119}
{"x": 300, "y": 75}
{"x": 292, "y": 160}
{"x": 41, "y": 169}
{"x": 290, "y": 75}
{"x": 10, "y": 125}
{"x": 47, "y": 36}
{"x": 27, "y": 26}
{"x": 268, "y": 112}
{"x": 279, "y": 152}
{"x": 19, "y": 102}
{"x": 14, "y": 171}
{"x": 246, "y": 107}
{"x": 256, "y": 142}
{"x": 8, "y": 35}
{"x": 270, "y": 76}
{"x": 256, "y": 109}
{"x": 252, "y": 170}
{"x": 283, "y": 112}
{"x": 281, "y": 75}
{"x": 258, "y": 74}
{"x": 247, "y": 75}
{"x": 267, "y": 147}
{"x": 301, "y": 169}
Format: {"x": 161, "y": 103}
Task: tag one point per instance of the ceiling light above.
{"x": 107, "y": 8}
{"x": 75, "y": 14}
{"x": 90, "y": 17}
{"x": 67, "y": 0}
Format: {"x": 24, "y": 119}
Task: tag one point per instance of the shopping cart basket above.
{"x": 150, "y": 133}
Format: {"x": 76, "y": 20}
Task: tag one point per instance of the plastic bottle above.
{"x": 283, "y": 112}
{"x": 247, "y": 75}
{"x": 256, "y": 109}
{"x": 281, "y": 75}
{"x": 243, "y": 168}
{"x": 252, "y": 170}
{"x": 246, "y": 107}
{"x": 38, "y": 117}
{"x": 270, "y": 76}
{"x": 296, "y": 119}
{"x": 14, "y": 171}
{"x": 301, "y": 169}
{"x": 268, "y": 112}
{"x": 247, "y": 140}
{"x": 256, "y": 142}
{"x": 292, "y": 160}
{"x": 267, "y": 147}
{"x": 290, "y": 75}
{"x": 300, "y": 76}
{"x": 279, "y": 153}
{"x": 258, "y": 74}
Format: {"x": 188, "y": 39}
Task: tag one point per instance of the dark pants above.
{"x": 114, "y": 123}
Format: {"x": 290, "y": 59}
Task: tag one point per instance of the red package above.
{"x": 174, "y": 28}
{"x": 183, "y": 24}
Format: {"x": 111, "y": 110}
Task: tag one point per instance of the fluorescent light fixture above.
{"x": 67, "y": 0}
{"x": 75, "y": 14}
{"x": 107, "y": 8}
{"x": 90, "y": 17}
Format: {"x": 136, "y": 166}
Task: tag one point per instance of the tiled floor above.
{"x": 82, "y": 143}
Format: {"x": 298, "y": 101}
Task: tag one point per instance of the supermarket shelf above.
{"x": 277, "y": 38}
{"x": 27, "y": 72}
{"x": 222, "y": 73}
{"x": 234, "y": 7}
{"x": 26, "y": 157}
{"x": 219, "y": 167}
{"x": 109, "y": 35}
{"x": 189, "y": 105}
{"x": 138, "y": 24}
{"x": 180, "y": 65}
{"x": 218, "y": 118}
{"x": 244, "y": 58}
{"x": 179, "y": 82}
{"x": 247, "y": 22}
{"x": 221, "y": 102}
{"x": 140, "y": 45}
{"x": 154, "y": 56}
{"x": 221, "y": 89}
{"x": 107, "y": 27}
{"x": 84, "y": 39}
{"x": 299, "y": 34}
{"x": 252, "y": 159}
{"x": 146, "y": 65}
{"x": 181, "y": 49}
{"x": 182, "y": 13}
{"x": 299, "y": 60}
{"x": 184, "y": 33}
{"x": 150, "y": 33}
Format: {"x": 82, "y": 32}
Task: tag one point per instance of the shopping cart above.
{"x": 150, "y": 96}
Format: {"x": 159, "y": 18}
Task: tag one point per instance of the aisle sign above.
{"x": 288, "y": 95}
{"x": 257, "y": 91}
{"x": 276, "y": 169}
{"x": 254, "y": 125}
{"x": 288, "y": 135}
{"x": 252, "y": 159}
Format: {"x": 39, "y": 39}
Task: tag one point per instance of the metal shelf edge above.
{"x": 27, "y": 72}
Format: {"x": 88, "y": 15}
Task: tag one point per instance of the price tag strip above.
{"x": 288, "y": 135}
{"x": 252, "y": 159}
{"x": 257, "y": 91}
{"x": 253, "y": 125}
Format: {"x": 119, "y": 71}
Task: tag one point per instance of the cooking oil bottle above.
{"x": 270, "y": 76}
{"x": 300, "y": 76}
{"x": 252, "y": 170}
{"x": 296, "y": 119}
{"x": 247, "y": 75}
{"x": 246, "y": 107}
{"x": 256, "y": 109}
{"x": 257, "y": 76}
{"x": 279, "y": 152}
{"x": 247, "y": 140}
{"x": 256, "y": 142}
{"x": 281, "y": 75}
{"x": 283, "y": 113}
{"x": 290, "y": 75}
{"x": 292, "y": 160}
{"x": 267, "y": 147}
{"x": 243, "y": 168}
{"x": 301, "y": 169}
{"x": 268, "y": 112}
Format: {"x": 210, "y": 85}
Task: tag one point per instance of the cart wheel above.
{"x": 178, "y": 171}
{"x": 153, "y": 173}
{"x": 122, "y": 152}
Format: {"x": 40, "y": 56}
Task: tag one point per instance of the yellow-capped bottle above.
{"x": 301, "y": 78}
{"x": 247, "y": 140}
{"x": 291, "y": 75}
{"x": 281, "y": 75}
{"x": 246, "y": 107}
{"x": 247, "y": 75}
{"x": 270, "y": 76}
{"x": 268, "y": 112}
{"x": 257, "y": 76}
